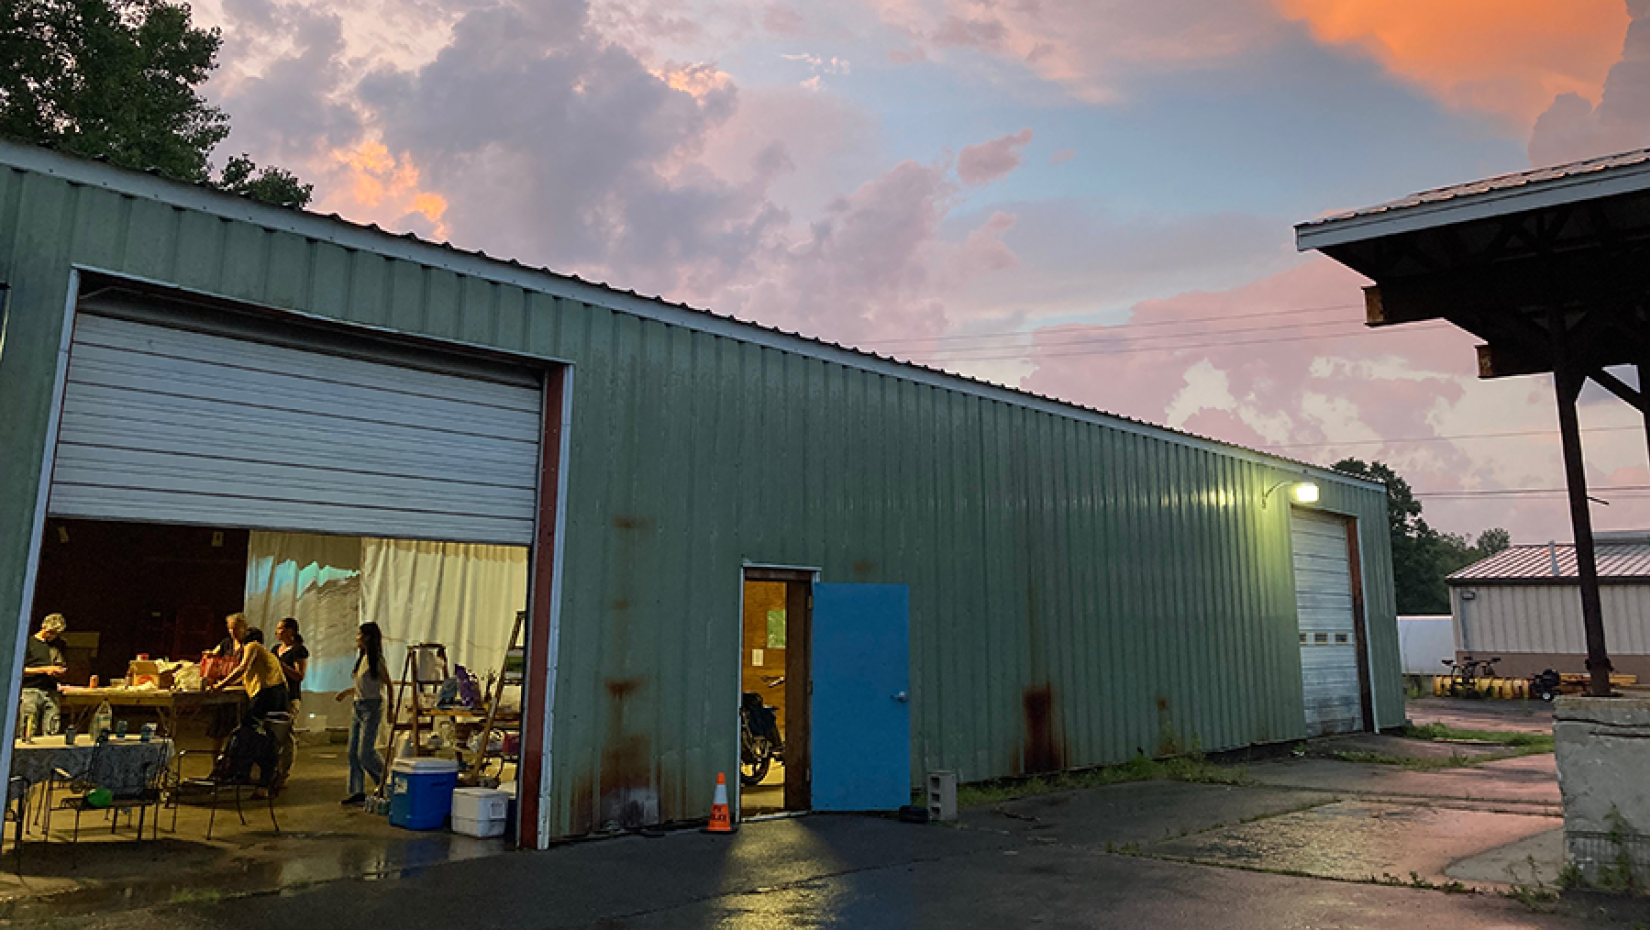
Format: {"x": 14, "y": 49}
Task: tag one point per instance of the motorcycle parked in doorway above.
{"x": 759, "y": 740}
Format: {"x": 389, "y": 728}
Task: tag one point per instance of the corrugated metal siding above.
{"x": 1127, "y": 587}
{"x": 1547, "y": 618}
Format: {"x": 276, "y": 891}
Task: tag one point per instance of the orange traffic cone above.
{"x": 721, "y": 820}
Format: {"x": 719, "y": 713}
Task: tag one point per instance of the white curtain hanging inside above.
{"x": 462, "y": 595}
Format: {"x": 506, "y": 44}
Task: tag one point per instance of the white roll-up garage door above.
{"x": 1328, "y": 637}
{"x": 162, "y": 424}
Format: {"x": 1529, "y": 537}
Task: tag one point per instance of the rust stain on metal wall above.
{"x": 628, "y": 799}
{"x": 862, "y": 568}
{"x": 1044, "y": 749}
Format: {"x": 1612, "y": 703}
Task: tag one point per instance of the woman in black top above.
{"x": 294, "y": 656}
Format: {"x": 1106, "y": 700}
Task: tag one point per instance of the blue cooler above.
{"x": 421, "y": 793}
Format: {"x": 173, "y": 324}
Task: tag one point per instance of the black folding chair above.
{"x": 226, "y": 777}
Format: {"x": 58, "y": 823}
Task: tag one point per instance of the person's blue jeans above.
{"x": 363, "y": 746}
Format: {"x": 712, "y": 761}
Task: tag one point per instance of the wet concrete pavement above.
{"x": 1505, "y": 716}
{"x": 1294, "y": 846}
{"x": 1528, "y": 781}
{"x": 1160, "y": 854}
{"x": 1360, "y": 840}
{"x": 848, "y": 872}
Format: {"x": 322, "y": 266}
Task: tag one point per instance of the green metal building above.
{"x": 1081, "y": 587}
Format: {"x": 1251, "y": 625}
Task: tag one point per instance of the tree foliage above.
{"x": 119, "y": 79}
{"x": 269, "y": 184}
{"x": 1422, "y": 556}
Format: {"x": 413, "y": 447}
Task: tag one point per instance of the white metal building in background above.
{"x": 1524, "y": 605}
{"x": 1425, "y": 641}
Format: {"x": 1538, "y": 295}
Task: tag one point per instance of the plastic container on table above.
{"x": 421, "y": 792}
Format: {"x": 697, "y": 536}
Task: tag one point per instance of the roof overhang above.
{"x": 1550, "y": 268}
{"x": 1481, "y": 200}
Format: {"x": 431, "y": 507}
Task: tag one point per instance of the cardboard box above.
{"x": 139, "y": 672}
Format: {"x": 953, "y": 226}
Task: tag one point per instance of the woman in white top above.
{"x": 372, "y": 677}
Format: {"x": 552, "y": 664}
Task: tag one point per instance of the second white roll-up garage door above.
{"x": 162, "y": 424}
{"x": 1328, "y": 634}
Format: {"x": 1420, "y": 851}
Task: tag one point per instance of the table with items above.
{"x": 190, "y": 717}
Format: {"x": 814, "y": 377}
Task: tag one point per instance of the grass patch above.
{"x": 1437, "y": 732}
{"x": 1452, "y": 761}
{"x": 1194, "y": 768}
{"x": 195, "y": 896}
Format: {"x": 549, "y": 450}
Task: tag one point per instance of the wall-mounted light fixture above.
{"x": 1304, "y": 492}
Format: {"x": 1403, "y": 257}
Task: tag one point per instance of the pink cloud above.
{"x": 1287, "y": 385}
{"x": 991, "y": 161}
{"x": 1062, "y": 156}
{"x": 1086, "y": 46}
{"x": 781, "y": 19}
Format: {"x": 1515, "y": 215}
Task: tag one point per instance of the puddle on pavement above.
{"x": 57, "y": 881}
{"x": 1358, "y": 840}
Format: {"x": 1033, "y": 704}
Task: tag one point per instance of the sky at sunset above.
{"x": 1089, "y": 199}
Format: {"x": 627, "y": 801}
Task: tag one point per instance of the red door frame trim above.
{"x": 543, "y": 595}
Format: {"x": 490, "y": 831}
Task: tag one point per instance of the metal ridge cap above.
{"x": 336, "y": 230}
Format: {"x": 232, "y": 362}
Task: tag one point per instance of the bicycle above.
{"x": 1465, "y": 674}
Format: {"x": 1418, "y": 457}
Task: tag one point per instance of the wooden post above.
{"x": 1643, "y": 368}
{"x": 1568, "y": 386}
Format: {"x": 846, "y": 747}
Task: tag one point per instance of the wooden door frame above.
{"x": 1360, "y": 625}
{"x": 799, "y": 601}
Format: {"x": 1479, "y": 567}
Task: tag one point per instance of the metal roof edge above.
{"x": 338, "y": 231}
{"x": 1534, "y": 195}
{"x": 1542, "y": 581}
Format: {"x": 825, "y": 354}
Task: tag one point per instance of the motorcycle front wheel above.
{"x": 755, "y": 768}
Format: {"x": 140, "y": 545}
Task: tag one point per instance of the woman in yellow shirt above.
{"x": 260, "y": 672}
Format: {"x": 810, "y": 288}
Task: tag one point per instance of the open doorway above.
{"x": 774, "y": 772}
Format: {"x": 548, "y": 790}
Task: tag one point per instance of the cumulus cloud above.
{"x": 294, "y": 104}
{"x": 1573, "y": 128}
{"x": 991, "y": 161}
{"x": 529, "y": 132}
{"x": 866, "y": 269}
{"x": 1506, "y": 57}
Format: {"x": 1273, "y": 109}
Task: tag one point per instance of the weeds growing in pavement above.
{"x": 1531, "y": 896}
{"x": 1529, "y": 743}
{"x": 1454, "y": 761}
{"x": 1416, "y": 881}
{"x": 1192, "y": 768}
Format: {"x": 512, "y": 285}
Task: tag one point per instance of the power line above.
{"x": 1630, "y": 490}
{"x": 1144, "y": 323}
{"x": 1460, "y": 436}
{"x": 1110, "y": 340}
{"x": 1038, "y": 356}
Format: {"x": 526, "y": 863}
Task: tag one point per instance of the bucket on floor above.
{"x": 421, "y": 792}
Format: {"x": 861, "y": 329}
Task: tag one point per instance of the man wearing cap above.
{"x": 43, "y": 665}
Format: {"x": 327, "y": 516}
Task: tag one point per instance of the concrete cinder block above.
{"x": 1603, "y": 750}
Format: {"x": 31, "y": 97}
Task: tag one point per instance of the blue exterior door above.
{"x": 861, "y": 713}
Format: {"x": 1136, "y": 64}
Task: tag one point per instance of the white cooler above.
{"x": 480, "y": 811}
